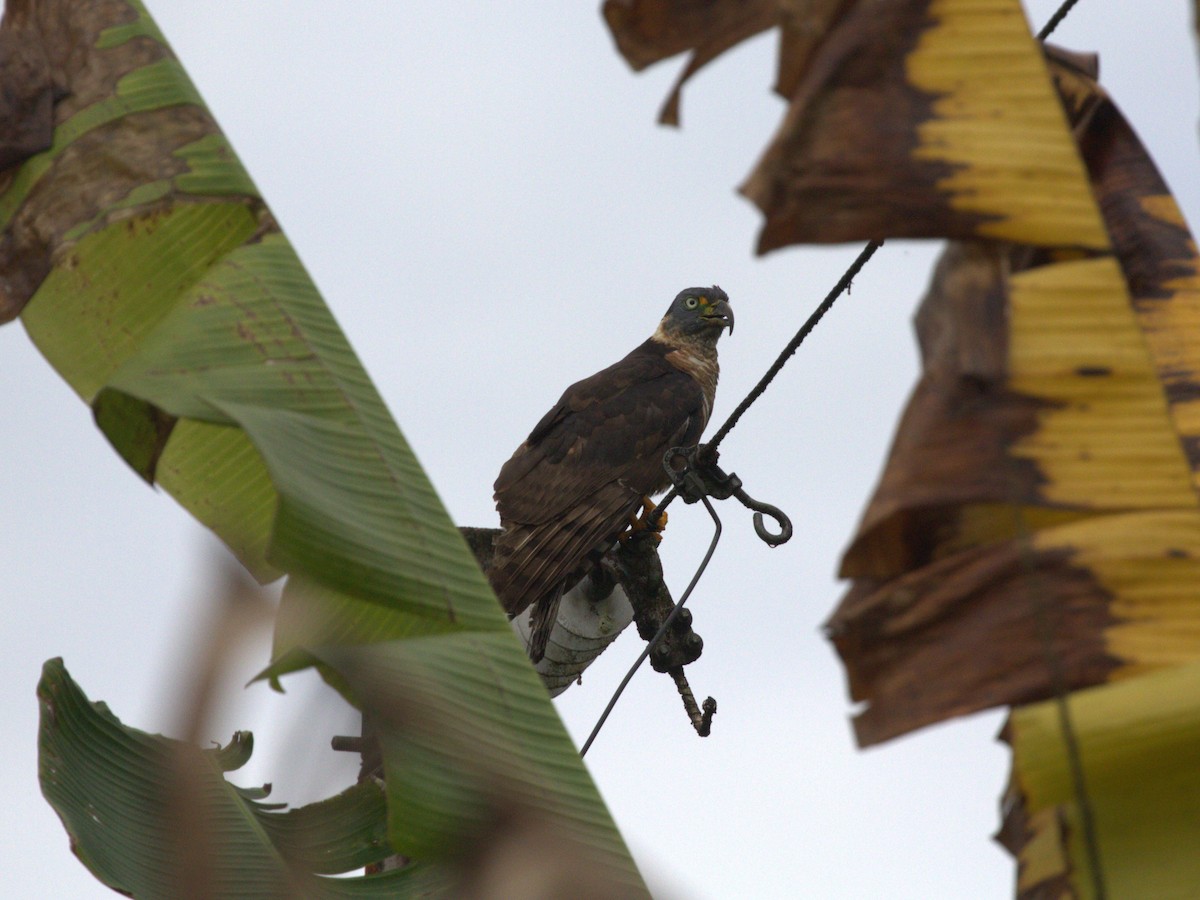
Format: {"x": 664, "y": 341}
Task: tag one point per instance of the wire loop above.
{"x": 695, "y": 474}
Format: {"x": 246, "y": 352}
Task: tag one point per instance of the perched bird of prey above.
{"x": 580, "y": 477}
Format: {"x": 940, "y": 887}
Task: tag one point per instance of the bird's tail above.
{"x": 534, "y": 563}
{"x": 542, "y": 620}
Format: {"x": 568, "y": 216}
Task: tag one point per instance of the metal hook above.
{"x": 694, "y": 480}
{"x": 760, "y": 509}
{"x": 701, "y": 717}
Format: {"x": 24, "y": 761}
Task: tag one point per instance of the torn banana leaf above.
{"x": 899, "y": 127}
{"x": 1138, "y": 743}
{"x": 154, "y": 817}
{"x": 150, "y": 273}
{"x": 647, "y": 31}
{"x": 1039, "y": 506}
{"x": 1149, "y": 237}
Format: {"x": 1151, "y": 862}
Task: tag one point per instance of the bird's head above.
{"x": 698, "y": 312}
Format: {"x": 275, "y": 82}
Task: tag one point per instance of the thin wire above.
{"x": 1087, "y": 816}
{"x": 794, "y": 344}
{"x": 1056, "y": 19}
{"x": 662, "y": 629}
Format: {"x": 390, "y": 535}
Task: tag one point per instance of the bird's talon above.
{"x": 647, "y": 522}
{"x": 650, "y": 519}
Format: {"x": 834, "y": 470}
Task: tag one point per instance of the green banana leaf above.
{"x": 145, "y": 812}
{"x": 152, "y": 276}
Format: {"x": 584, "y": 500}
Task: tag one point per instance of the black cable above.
{"x": 1058, "y": 682}
{"x": 780, "y": 361}
{"x": 794, "y": 344}
{"x": 843, "y": 284}
{"x": 662, "y": 629}
{"x": 1056, "y": 19}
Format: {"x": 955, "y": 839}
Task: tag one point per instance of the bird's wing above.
{"x": 532, "y": 560}
{"x": 613, "y": 427}
{"x": 573, "y": 483}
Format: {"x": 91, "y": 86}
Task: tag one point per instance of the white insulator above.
{"x": 584, "y": 629}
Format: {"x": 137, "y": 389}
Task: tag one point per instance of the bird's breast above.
{"x": 700, "y": 362}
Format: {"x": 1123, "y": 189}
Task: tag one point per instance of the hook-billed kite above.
{"x": 579, "y": 478}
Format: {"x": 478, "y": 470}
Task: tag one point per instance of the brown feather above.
{"x": 541, "y": 623}
{"x": 572, "y": 486}
{"x": 530, "y": 557}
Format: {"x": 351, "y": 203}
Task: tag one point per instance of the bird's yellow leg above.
{"x": 659, "y": 523}
{"x": 643, "y": 522}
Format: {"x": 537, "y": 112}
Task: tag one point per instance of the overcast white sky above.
{"x": 482, "y": 195}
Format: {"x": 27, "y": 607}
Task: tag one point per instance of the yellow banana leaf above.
{"x": 898, "y": 124}
{"x": 1047, "y": 452}
{"x": 900, "y": 127}
{"x": 1138, "y": 742}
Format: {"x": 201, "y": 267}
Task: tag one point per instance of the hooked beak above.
{"x": 721, "y": 312}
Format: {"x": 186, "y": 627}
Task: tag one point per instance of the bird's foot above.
{"x": 650, "y": 522}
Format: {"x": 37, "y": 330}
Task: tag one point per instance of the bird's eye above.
{"x": 691, "y": 302}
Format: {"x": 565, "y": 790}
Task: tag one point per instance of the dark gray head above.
{"x": 698, "y": 312}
